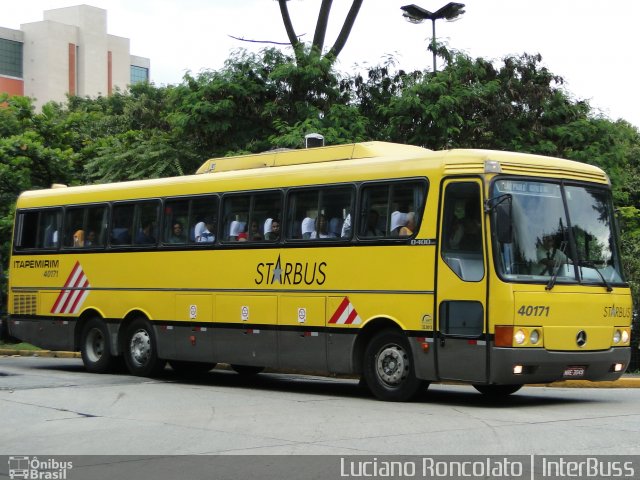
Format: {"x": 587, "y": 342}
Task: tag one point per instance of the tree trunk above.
{"x": 321, "y": 29}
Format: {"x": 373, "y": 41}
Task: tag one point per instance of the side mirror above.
{"x": 504, "y": 222}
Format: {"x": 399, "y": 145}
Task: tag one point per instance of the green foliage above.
{"x": 133, "y": 155}
{"x": 517, "y": 106}
{"x": 223, "y": 112}
{"x": 267, "y": 100}
{"x": 33, "y": 155}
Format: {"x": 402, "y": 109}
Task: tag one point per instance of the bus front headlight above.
{"x": 617, "y": 335}
{"x": 534, "y": 337}
{"x": 621, "y": 336}
{"x": 625, "y": 336}
{"x": 520, "y": 337}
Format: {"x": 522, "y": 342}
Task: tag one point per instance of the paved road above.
{"x": 52, "y": 406}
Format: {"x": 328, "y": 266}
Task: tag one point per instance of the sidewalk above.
{"x": 11, "y": 352}
{"x": 626, "y": 381}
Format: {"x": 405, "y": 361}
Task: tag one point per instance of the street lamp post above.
{"x": 415, "y": 14}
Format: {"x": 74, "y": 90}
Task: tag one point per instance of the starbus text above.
{"x": 290, "y": 273}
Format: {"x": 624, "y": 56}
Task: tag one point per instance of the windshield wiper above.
{"x": 592, "y": 264}
{"x": 556, "y": 267}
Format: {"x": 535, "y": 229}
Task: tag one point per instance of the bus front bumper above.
{"x": 544, "y": 366}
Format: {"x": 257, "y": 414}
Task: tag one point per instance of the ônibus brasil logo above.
{"x": 33, "y": 468}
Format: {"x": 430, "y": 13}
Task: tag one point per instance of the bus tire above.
{"x": 247, "y": 370}
{"x": 388, "y": 367}
{"x": 186, "y": 368}
{"x": 95, "y": 347}
{"x": 140, "y": 350}
{"x": 497, "y": 390}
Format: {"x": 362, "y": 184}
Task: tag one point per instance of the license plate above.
{"x": 573, "y": 372}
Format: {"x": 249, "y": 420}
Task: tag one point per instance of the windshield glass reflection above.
{"x": 545, "y": 244}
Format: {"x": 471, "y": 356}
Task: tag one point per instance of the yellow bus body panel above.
{"x": 230, "y": 287}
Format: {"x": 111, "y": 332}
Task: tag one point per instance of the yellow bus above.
{"x": 394, "y": 263}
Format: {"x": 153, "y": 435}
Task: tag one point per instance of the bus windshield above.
{"x": 555, "y": 231}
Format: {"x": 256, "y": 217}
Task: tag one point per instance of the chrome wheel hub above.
{"x": 392, "y": 365}
{"x": 140, "y": 347}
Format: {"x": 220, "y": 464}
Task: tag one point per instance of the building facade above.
{"x": 68, "y": 53}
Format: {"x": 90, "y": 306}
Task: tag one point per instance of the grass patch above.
{"x": 19, "y": 346}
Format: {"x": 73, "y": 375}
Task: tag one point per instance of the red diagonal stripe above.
{"x": 85, "y": 284}
{"x": 341, "y": 308}
{"x": 352, "y": 316}
{"x": 79, "y": 281}
{"x": 66, "y": 285}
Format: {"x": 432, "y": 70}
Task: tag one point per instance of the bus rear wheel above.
{"x": 388, "y": 367}
{"x": 497, "y": 390}
{"x": 140, "y": 351}
{"x": 95, "y": 348}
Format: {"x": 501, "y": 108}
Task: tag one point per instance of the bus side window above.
{"x": 37, "y": 229}
{"x": 235, "y": 210}
{"x": 302, "y": 212}
{"x": 462, "y": 231}
{"x": 121, "y": 224}
{"x": 95, "y": 226}
{"x": 73, "y": 228}
{"x": 406, "y": 203}
{"x": 176, "y": 214}
{"x": 49, "y": 226}
{"x": 146, "y": 223}
{"x": 392, "y": 209}
{"x": 265, "y": 208}
{"x": 335, "y": 206}
{"x": 320, "y": 213}
{"x": 374, "y": 211}
{"x": 203, "y": 218}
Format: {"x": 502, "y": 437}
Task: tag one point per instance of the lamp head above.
{"x": 451, "y": 11}
{"x": 415, "y": 14}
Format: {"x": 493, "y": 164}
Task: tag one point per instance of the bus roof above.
{"x": 469, "y": 161}
{"x": 284, "y": 157}
{"x": 341, "y": 163}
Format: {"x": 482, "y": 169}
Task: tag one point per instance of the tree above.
{"x": 33, "y": 155}
{"x": 319, "y": 37}
{"x": 134, "y": 137}
{"x": 272, "y": 99}
{"x": 516, "y": 106}
{"x": 229, "y": 111}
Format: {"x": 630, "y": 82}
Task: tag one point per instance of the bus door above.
{"x": 461, "y": 348}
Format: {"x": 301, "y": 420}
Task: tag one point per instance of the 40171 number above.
{"x": 533, "y": 311}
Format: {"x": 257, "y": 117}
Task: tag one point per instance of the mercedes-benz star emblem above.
{"x": 581, "y": 338}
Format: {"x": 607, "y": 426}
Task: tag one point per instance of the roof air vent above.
{"x": 313, "y": 140}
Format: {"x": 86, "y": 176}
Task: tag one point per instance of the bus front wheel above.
{"x": 140, "y": 351}
{"x": 497, "y": 390}
{"x": 95, "y": 348}
{"x": 388, "y": 367}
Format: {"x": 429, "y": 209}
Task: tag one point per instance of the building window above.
{"x": 139, "y": 74}
{"x": 10, "y": 58}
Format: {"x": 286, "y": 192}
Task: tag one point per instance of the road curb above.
{"x": 38, "y": 353}
{"x": 624, "y": 382}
